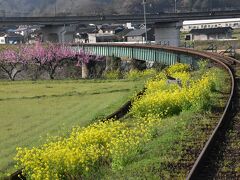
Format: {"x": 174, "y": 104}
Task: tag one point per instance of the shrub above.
{"x": 149, "y": 73}
{"x": 114, "y": 74}
{"x": 202, "y": 66}
{"x": 179, "y": 67}
{"x": 165, "y": 99}
{"x": 136, "y": 74}
{"x": 133, "y": 75}
{"x": 158, "y": 66}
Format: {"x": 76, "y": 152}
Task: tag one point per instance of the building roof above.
{"x": 87, "y": 30}
{"x": 137, "y": 32}
{"x": 2, "y": 34}
{"x": 112, "y": 27}
{"x": 12, "y": 34}
{"x": 82, "y": 29}
{"x": 124, "y": 32}
{"x": 211, "y": 30}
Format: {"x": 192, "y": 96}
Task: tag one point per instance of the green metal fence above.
{"x": 141, "y": 53}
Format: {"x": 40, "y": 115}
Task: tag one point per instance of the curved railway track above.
{"x": 207, "y": 165}
{"x": 217, "y": 152}
{"x": 220, "y": 156}
{"x": 210, "y": 162}
{"x": 200, "y": 168}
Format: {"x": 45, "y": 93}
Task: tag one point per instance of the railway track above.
{"x": 219, "y": 157}
{"x": 222, "y": 138}
{"x": 222, "y": 146}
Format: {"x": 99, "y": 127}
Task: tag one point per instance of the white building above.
{"x": 138, "y": 35}
{"x": 3, "y": 38}
{"x": 220, "y": 33}
{"x": 101, "y": 37}
{"x": 206, "y": 24}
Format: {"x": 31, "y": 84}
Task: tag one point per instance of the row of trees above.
{"x": 46, "y": 57}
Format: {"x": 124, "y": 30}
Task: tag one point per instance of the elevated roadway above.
{"x": 134, "y": 18}
{"x": 166, "y": 25}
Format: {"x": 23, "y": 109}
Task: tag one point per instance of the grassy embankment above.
{"x": 160, "y": 137}
{"x": 30, "y": 111}
{"x": 177, "y": 142}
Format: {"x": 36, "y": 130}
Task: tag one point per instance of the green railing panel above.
{"x": 145, "y": 54}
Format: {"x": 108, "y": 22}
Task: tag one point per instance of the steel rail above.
{"x": 193, "y": 174}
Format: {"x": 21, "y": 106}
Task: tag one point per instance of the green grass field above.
{"x": 32, "y": 110}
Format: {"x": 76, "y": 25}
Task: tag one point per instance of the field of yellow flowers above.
{"x": 167, "y": 99}
{"x": 112, "y": 144}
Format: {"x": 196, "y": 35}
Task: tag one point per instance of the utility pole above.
{"x": 145, "y": 18}
{"x": 191, "y": 4}
{"x": 175, "y": 6}
{"x": 71, "y": 8}
{"x": 55, "y": 8}
{"x": 211, "y": 5}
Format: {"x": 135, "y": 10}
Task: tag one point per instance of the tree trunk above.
{"x": 52, "y": 71}
{"x": 116, "y": 63}
{"x": 51, "y": 76}
{"x": 11, "y": 78}
{"x": 9, "y": 73}
{"x": 14, "y": 73}
{"x": 108, "y": 63}
{"x": 85, "y": 71}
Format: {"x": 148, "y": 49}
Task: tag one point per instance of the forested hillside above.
{"x": 90, "y": 7}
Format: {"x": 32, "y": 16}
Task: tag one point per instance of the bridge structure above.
{"x": 149, "y": 53}
{"x": 167, "y": 25}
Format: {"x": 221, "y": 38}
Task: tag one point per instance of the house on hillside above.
{"x": 138, "y": 35}
{"x": 2, "y": 38}
{"x": 98, "y": 37}
{"x": 211, "y": 34}
{"x": 106, "y": 33}
{"x": 110, "y": 29}
{"x": 121, "y": 36}
{"x": 11, "y": 38}
{"x": 82, "y": 33}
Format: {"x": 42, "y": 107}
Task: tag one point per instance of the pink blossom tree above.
{"x": 51, "y": 56}
{"x": 12, "y": 62}
{"x": 48, "y": 57}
